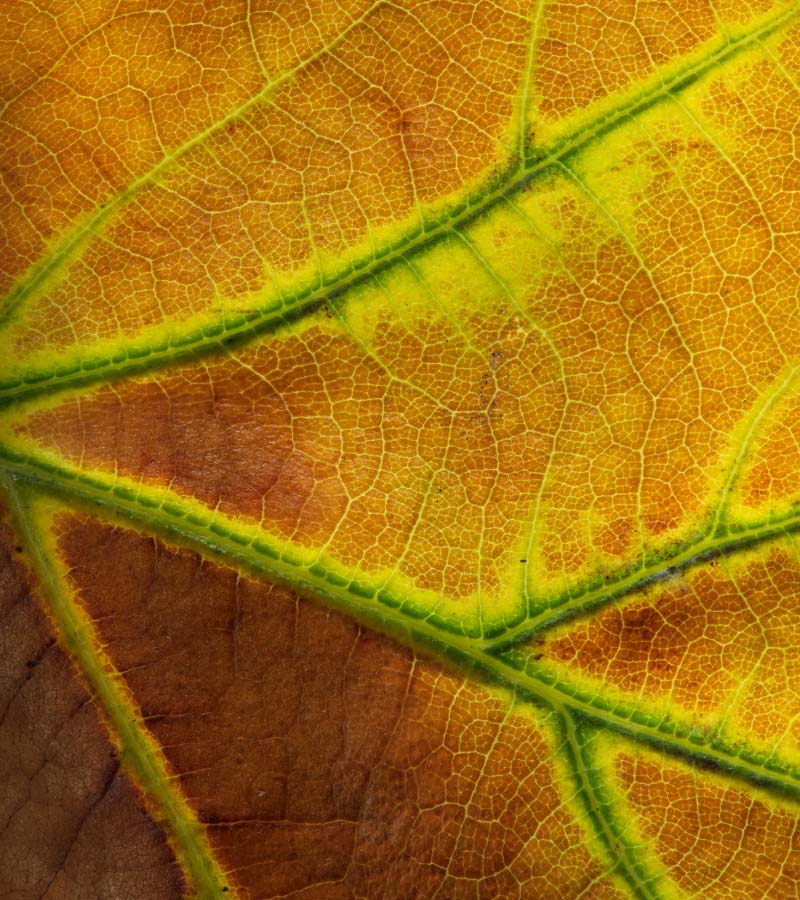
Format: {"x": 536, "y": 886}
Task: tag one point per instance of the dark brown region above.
{"x": 71, "y": 826}
{"x": 327, "y": 762}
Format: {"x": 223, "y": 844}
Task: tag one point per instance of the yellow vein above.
{"x": 198, "y": 337}
{"x": 139, "y": 752}
{"x": 527, "y": 77}
{"x": 218, "y": 539}
{"x": 751, "y": 428}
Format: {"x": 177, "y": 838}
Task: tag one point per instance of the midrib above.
{"x": 234, "y": 328}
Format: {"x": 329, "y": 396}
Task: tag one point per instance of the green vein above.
{"x": 233, "y": 328}
{"x": 139, "y": 753}
{"x": 168, "y": 510}
{"x": 674, "y": 738}
{"x": 597, "y": 805}
{"x": 657, "y": 567}
{"x": 163, "y": 508}
{"x": 720, "y": 536}
{"x": 65, "y": 251}
{"x": 218, "y": 539}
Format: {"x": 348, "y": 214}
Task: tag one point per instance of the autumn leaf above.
{"x": 399, "y": 450}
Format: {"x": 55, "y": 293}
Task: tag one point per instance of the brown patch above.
{"x": 318, "y": 752}
{"x": 71, "y": 825}
{"x": 312, "y": 438}
{"x": 715, "y": 645}
{"x": 639, "y": 646}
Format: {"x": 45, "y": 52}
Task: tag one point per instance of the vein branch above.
{"x": 625, "y": 860}
{"x": 356, "y": 597}
{"x": 66, "y": 249}
{"x": 227, "y": 329}
{"x": 139, "y": 752}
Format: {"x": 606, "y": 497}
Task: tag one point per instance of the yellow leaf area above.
{"x": 400, "y": 414}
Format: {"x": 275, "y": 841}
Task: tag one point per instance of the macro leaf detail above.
{"x": 399, "y": 449}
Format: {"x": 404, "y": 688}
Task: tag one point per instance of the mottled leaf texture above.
{"x": 400, "y": 450}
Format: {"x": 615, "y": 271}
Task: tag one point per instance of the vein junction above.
{"x": 473, "y": 655}
{"x": 167, "y": 345}
{"x": 491, "y": 658}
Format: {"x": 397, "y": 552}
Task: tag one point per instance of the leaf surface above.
{"x": 400, "y": 414}
{"x": 72, "y": 822}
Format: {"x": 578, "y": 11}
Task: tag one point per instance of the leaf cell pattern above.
{"x": 399, "y": 450}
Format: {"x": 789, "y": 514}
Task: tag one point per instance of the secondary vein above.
{"x": 373, "y": 607}
{"x": 196, "y": 338}
{"x": 139, "y": 752}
